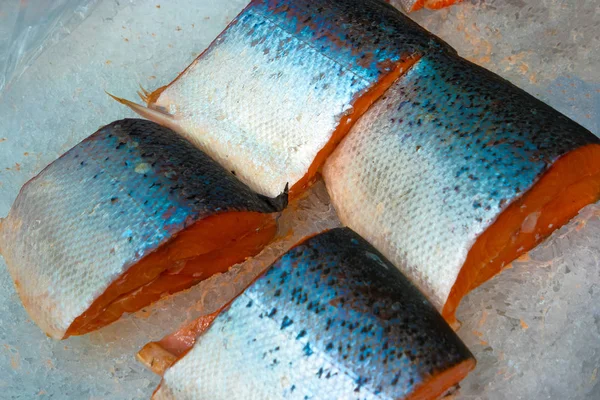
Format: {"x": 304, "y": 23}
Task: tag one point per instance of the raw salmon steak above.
{"x": 132, "y": 213}
{"x": 331, "y": 319}
{"x": 455, "y": 172}
{"x": 276, "y": 91}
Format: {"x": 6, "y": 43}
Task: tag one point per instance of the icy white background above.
{"x": 535, "y": 329}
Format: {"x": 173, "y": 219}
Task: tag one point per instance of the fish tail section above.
{"x": 280, "y": 202}
{"x": 144, "y": 94}
{"x": 159, "y": 117}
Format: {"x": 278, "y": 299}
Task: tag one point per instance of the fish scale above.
{"x": 103, "y": 206}
{"x": 431, "y": 165}
{"x": 270, "y": 92}
{"x": 331, "y": 319}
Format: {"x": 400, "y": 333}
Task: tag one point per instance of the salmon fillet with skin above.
{"x": 276, "y": 91}
{"x": 132, "y": 213}
{"x": 331, "y": 319}
{"x": 455, "y": 172}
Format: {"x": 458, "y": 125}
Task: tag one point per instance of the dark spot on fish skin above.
{"x": 329, "y": 346}
{"x": 286, "y": 322}
{"x": 301, "y": 334}
{"x": 82, "y": 163}
{"x": 360, "y": 382}
{"x": 272, "y": 312}
{"x": 249, "y": 304}
{"x": 293, "y": 388}
{"x": 307, "y": 350}
{"x": 114, "y": 199}
{"x": 320, "y": 372}
{"x": 277, "y": 293}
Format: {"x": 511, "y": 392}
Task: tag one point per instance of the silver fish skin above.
{"x": 104, "y": 205}
{"x": 433, "y": 164}
{"x": 271, "y": 90}
{"x": 331, "y": 319}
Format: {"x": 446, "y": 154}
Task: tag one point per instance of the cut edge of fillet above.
{"x": 571, "y": 183}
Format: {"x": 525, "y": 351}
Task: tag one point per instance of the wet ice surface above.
{"x": 535, "y": 328}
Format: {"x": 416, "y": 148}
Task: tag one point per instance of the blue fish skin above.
{"x": 104, "y": 205}
{"x": 331, "y": 319}
{"x": 366, "y": 36}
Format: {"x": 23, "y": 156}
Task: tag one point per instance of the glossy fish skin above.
{"x": 331, "y": 319}
{"x": 104, "y": 205}
{"x": 431, "y": 165}
{"x": 270, "y": 91}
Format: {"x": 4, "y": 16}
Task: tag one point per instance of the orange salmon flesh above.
{"x": 570, "y": 184}
{"x": 208, "y": 247}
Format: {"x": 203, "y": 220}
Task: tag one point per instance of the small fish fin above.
{"x": 144, "y": 94}
{"x": 160, "y": 118}
{"x": 280, "y": 202}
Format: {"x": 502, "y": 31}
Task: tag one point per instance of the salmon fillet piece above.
{"x": 455, "y": 172}
{"x": 332, "y": 316}
{"x": 132, "y": 213}
{"x": 279, "y": 88}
